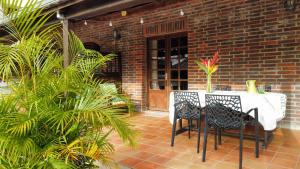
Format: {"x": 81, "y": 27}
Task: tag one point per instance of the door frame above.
{"x": 168, "y": 89}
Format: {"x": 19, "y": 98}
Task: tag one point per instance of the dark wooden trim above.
{"x": 60, "y": 5}
{"x": 145, "y": 73}
{"x": 94, "y": 8}
{"x": 174, "y": 26}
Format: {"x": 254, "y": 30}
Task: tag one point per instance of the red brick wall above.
{"x": 257, "y": 39}
{"x": 131, "y": 46}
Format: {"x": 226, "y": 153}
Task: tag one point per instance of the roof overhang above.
{"x": 91, "y": 8}
{"x": 87, "y": 9}
{"x": 106, "y": 8}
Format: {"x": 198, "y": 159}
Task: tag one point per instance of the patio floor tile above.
{"x": 298, "y": 165}
{"x": 146, "y": 165}
{"x": 284, "y": 162}
{"x": 160, "y": 159}
{"x": 130, "y": 161}
{"x": 154, "y": 150}
{"x": 144, "y": 155}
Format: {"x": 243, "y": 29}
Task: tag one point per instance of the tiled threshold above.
{"x": 152, "y": 113}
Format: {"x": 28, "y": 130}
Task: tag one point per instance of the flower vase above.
{"x": 208, "y": 83}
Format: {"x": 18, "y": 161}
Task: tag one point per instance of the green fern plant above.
{"x": 55, "y": 117}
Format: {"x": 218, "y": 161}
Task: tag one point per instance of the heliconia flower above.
{"x": 204, "y": 62}
{"x": 215, "y": 58}
{"x": 209, "y": 65}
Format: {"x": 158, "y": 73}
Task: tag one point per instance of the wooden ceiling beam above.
{"x": 102, "y": 9}
{"x": 63, "y": 5}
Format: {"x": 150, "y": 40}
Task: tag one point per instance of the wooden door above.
{"x": 167, "y": 69}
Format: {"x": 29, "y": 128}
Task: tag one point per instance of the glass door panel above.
{"x": 183, "y": 74}
{"x": 174, "y": 58}
{"x": 157, "y": 55}
{"x": 179, "y": 63}
{"x": 183, "y": 58}
{"x": 174, "y": 85}
{"x": 183, "y": 85}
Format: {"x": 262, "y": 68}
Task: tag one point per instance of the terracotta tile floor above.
{"x": 154, "y": 150}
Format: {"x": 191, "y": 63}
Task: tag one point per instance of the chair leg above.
{"x": 256, "y": 134}
{"x": 205, "y": 142}
{"x": 173, "y": 131}
{"x": 180, "y": 124}
{"x": 199, "y": 130}
{"x": 216, "y": 134}
{"x": 241, "y": 148}
{"x": 219, "y": 136}
{"x": 189, "y": 126}
{"x": 265, "y": 139}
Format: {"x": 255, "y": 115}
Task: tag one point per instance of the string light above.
{"x": 59, "y": 15}
{"x": 142, "y": 21}
{"x": 181, "y": 12}
{"x": 110, "y": 23}
{"x": 85, "y": 22}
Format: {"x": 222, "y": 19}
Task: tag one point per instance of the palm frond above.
{"x": 23, "y": 21}
{"x": 56, "y": 164}
{"x": 15, "y": 148}
{"x": 9, "y": 57}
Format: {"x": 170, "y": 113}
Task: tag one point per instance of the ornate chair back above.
{"x": 187, "y": 104}
{"x": 224, "y": 111}
{"x": 190, "y": 97}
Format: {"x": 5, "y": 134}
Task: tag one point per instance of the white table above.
{"x": 271, "y": 106}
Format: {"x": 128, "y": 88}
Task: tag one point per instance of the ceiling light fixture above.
{"x": 85, "y": 22}
{"x": 110, "y": 23}
{"x": 123, "y": 13}
{"x": 290, "y": 5}
{"x": 142, "y": 21}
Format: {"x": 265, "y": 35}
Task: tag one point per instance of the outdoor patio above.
{"x": 73, "y": 72}
{"x": 154, "y": 150}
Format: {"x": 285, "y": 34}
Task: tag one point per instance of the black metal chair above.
{"x": 187, "y": 106}
{"x": 224, "y": 112}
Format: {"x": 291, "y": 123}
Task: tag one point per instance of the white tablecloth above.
{"x": 271, "y": 106}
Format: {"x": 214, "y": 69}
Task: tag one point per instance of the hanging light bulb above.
{"x": 110, "y": 23}
{"x": 181, "y": 12}
{"x": 59, "y": 15}
{"x": 85, "y": 22}
{"x": 142, "y": 21}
